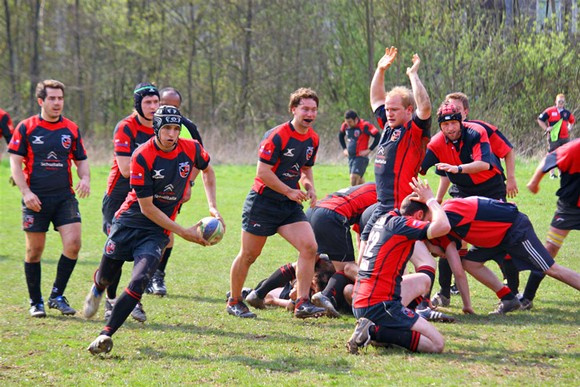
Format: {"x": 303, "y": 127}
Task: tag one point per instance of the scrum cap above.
{"x": 141, "y": 91}
{"x": 166, "y": 115}
{"x": 448, "y": 112}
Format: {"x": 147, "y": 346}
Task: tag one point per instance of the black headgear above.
{"x": 448, "y": 112}
{"x": 141, "y": 91}
{"x": 165, "y": 115}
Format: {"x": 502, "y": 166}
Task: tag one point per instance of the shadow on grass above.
{"x": 283, "y": 364}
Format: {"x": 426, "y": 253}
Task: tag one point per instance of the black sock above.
{"x": 164, "y": 259}
{"x": 112, "y": 288}
{"x": 534, "y": 281}
{"x": 430, "y": 272}
{"x": 278, "y": 279}
{"x": 63, "y": 272}
{"x": 335, "y": 288}
{"x": 122, "y": 309}
{"x": 445, "y": 274}
{"x": 511, "y": 274}
{"x": 32, "y": 273}
{"x": 405, "y": 338}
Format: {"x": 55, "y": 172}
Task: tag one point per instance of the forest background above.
{"x": 236, "y": 61}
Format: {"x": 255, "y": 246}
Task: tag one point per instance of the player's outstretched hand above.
{"x": 387, "y": 60}
{"x": 296, "y": 195}
{"x": 422, "y": 189}
{"x": 415, "y": 67}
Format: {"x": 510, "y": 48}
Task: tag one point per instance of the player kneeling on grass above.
{"x": 378, "y": 294}
{"x": 161, "y": 170}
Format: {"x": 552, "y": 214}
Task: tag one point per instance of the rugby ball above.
{"x": 211, "y": 229}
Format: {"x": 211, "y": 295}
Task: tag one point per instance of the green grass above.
{"x": 189, "y": 339}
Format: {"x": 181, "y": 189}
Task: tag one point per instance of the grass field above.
{"x": 189, "y": 339}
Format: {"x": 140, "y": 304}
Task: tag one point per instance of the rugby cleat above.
{"x": 239, "y": 309}
{"x": 507, "y": 306}
{"x": 434, "y": 316}
{"x": 37, "y": 310}
{"x": 306, "y": 309}
{"x": 102, "y": 344}
{"x": 440, "y": 300}
{"x": 92, "y": 302}
{"x": 254, "y": 300}
{"x": 322, "y": 301}
{"x": 361, "y": 336}
{"x": 61, "y": 303}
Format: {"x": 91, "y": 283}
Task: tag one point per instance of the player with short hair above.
{"x": 354, "y": 138}
{"x": 161, "y": 170}
{"x": 274, "y": 205}
{"x": 567, "y": 215}
{"x": 379, "y": 297}
{"x": 405, "y": 115}
{"x": 47, "y": 144}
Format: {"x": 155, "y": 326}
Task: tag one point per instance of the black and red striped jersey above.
{"x": 48, "y": 149}
{"x": 356, "y": 139}
{"x": 389, "y": 247}
{"x": 500, "y": 145}
{"x": 473, "y": 145}
{"x": 128, "y": 135}
{"x": 287, "y": 151}
{"x": 480, "y": 221}
{"x": 163, "y": 176}
{"x": 398, "y": 158}
{"x": 351, "y": 202}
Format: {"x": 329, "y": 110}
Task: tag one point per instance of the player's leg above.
{"x": 300, "y": 235}
{"x": 431, "y": 340}
{"x": 35, "y": 242}
{"x": 250, "y": 250}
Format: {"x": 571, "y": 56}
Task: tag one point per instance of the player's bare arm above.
{"x": 534, "y": 183}
{"x": 307, "y": 181}
{"x": 83, "y": 188}
{"x": 378, "y": 93}
{"x": 473, "y": 167}
{"x": 510, "y": 168}
{"x": 439, "y": 223}
{"x": 460, "y": 277}
{"x": 419, "y": 92}
{"x": 31, "y": 201}
{"x": 209, "y": 185}
{"x": 269, "y": 178}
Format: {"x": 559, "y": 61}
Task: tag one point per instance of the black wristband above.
{"x": 459, "y": 169}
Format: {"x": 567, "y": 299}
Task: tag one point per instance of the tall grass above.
{"x": 189, "y": 339}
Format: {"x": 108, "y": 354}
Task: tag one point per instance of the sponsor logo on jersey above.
{"x": 184, "y": 169}
{"x": 110, "y": 247}
{"x": 37, "y": 140}
{"x": 309, "y": 152}
{"x": 157, "y": 174}
{"x": 66, "y": 141}
{"x": 168, "y": 188}
{"x": 395, "y": 135}
{"x": 265, "y": 152}
{"x": 290, "y": 152}
{"x": 52, "y": 155}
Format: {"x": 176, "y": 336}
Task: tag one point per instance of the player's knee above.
{"x": 308, "y": 251}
